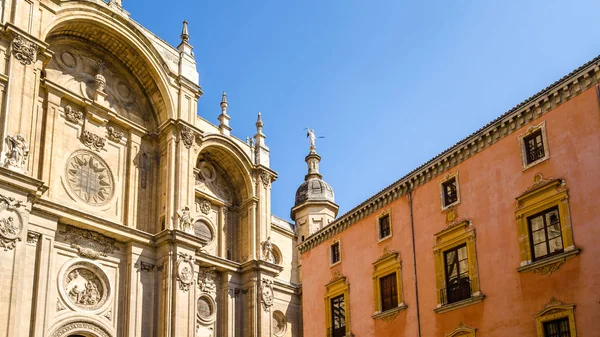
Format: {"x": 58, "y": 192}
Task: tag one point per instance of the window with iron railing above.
{"x": 557, "y": 328}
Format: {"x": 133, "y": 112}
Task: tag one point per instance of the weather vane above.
{"x": 311, "y": 135}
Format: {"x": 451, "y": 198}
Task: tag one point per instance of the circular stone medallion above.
{"x": 85, "y": 286}
{"x": 89, "y": 178}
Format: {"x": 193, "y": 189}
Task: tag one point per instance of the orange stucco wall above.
{"x": 489, "y": 183}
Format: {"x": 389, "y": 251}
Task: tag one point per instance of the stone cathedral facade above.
{"x": 122, "y": 212}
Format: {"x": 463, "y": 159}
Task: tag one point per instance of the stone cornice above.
{"x": 532, "y": 108}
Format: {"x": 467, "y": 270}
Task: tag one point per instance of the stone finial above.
{"x": 185, "y": 36}
{"x": 185, "y": 47}
{"x": 259, "y": 124}
{"x": 261, "y": 151}
{"x": 223, "y": 117}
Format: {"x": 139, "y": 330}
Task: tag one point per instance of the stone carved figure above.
{"x": 83, "y": 288}
{"x": 267, "y": 250}
{"x": 18, "y": 151}
{"x": 185, "y": 220}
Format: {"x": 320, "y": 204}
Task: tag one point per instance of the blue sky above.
{"x": 390, "y": 84}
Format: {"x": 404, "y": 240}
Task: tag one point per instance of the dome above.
{"x": 314, "y": 189}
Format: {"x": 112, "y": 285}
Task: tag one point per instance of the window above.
{"x": 557, "y": 328}
{"x": 457, "y": 277}
{"x": 534, "y": 146}
{"x": 384, "y": 226}
{"x": 389, "y": 292}
{"x": 338, "y": 316}
{"x": 449, "y": 190}
{"x": 556, "y": 319}
{"x": 336, "y": 256}
{"x": 456, "y": 266}
{"x": 337, "y": 312}
{"x": 545, "y": 234}
{"x": 544, "y": 226}
{"x": 387, "y": 286}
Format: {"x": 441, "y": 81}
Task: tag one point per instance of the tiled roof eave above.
{"x": 532, "y": 108}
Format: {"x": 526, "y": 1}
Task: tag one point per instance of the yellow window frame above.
{"x": 338, "y": 285}
{"x": 543, "y": 195}
{"x": 454, "y": 235}
{"x": 554, "y": 310}
{"x": 385, "y": 265}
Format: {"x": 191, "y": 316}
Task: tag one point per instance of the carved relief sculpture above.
{"x": 207, "y": 280}
{"x": 204, "y": 206}
{"x": 73, "y": 115}
{"x": 266, "y": 293}
{"x": 11, "y": 224}
{"x": 18, "y": 152}
{"x": 89, "y": 244}
{"x": 187, "y": 136}
{"x": 185, "y": 271}
{"x": 24, "y": 50}
{"x": 89, "y": 178}
{"x": 114, "y": 134}
{"x": 265, "y": 177}
{"x": 85, "y": 286}
{"x": 93, "y": 141}
{"x": 185, "y": 220}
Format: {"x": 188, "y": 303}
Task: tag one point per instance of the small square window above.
{"x": 385, "y": 228}
{"x": 335, "y": 253}
{"x": 450, "y": 193}
{"x": 534, "y": 147}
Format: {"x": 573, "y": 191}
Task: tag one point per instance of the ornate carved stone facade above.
{"x": 122, "y": 211}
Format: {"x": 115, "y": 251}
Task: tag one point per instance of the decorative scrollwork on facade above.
{"x": 93, "y": 141}
{"x": 15, "y": 158}
{"x": 187, "y": 136}
{"x": 266, "y": 294}
{"x": 72, "y": 115}
{"x": 114, "y": 134}
{"x": 33, "y": 237}
{"x": 24, "y": 50}
{"x": 185, "y": 271}
{"x": 548, "y": 269}
{"x": 11, "y": 223}
{"x": 89, "y": 244}
{"x": 89, "y": 178}
{"x": 265, "y": 177}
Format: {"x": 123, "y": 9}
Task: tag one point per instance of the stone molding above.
{"x": 80, "y": 326}
{"x": 529, "y": 110}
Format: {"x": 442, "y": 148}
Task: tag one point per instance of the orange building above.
{"x": 497, "y": 236}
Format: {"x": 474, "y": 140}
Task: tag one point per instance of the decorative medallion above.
{"x": 89, "y": 178}
{"x": 187, "y": 136}
{"x": 15, "y": 158}
{"x": 114, "y": 134}
{"x": 85, "y": 286}
{"x": 73, "y": 115}
{"x": 266, "y": 293}
{"x": 185, "y": 271}
{"x": 24, "y": 50}
{"x": 204, "y": 206}
{"x": 93, "y": 141}
{"x": 207, "y": 280}
{"x": 89, "y": 244}
{"x": 11, "y": 224}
